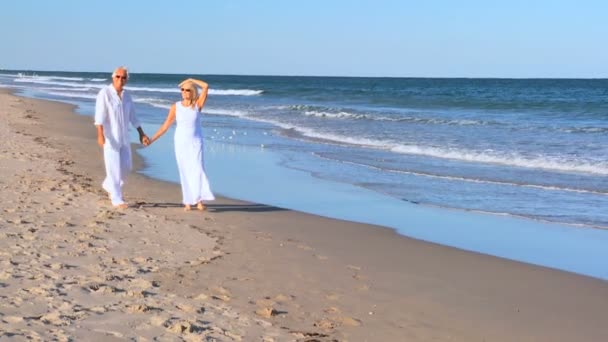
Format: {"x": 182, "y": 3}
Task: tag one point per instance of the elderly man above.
{"x": 114, "y": 111}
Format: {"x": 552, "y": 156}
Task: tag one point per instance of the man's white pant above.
{"x": 118, "y": 166}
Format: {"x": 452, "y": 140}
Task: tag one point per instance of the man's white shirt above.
{"x": 115, "y": 114}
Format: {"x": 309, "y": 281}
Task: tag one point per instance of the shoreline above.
{"x": 533, "y": 220}
{"x": 515, "y": 238}
{"x": 296, "y": 276}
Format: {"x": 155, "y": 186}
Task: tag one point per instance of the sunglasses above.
{"x": 121, "y": 77}
{"x": 184, "y": 89}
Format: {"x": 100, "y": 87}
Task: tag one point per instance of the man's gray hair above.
{"x": 121, "y": 68}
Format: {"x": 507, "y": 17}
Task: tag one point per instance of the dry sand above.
{"x": 74, "y": 268}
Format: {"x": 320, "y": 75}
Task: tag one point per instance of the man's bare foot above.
{"x": 187, "y": 207}
{"x": 200, "y": 206}
{"x": 122, "y": 206}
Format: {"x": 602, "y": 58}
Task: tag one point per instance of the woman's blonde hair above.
{"x": 193, "y": 91}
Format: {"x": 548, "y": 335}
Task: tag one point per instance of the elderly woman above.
{"x": 189, "y": 143}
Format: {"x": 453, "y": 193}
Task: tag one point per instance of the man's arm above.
{"x": 100, "y": 117}
{"x": 143, "y": 138}
{"x": 101, "y": 140}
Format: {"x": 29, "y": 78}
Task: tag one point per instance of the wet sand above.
{"x": 74, "y": 267}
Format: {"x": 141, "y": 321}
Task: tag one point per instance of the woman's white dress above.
{"x": 189, "y": 155}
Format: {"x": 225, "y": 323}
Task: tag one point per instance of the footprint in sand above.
{"x": 97, "y": 224}
{"x": 356, "y": 275}
{"x": 349, "y": 321}
{"x": 266, "y": 312}
{"x": 281, "y": 298}
{"x": 201, "y": 296}
{"x": 221, "y": 293}
{"x": 109, "y": 333}
{"x": 119, "y": 261}
{"x": 325, "y": 324}
{"x": 97, "y": 288}
{"x": 98, "y": 309}
{"x": 262, "y": 236}
{"x": 199, "y": 261}
{"x": 56, "y": 266}
{"x": 332, "y": 296}
{"x": 12, "y": 319}
{"x": 305, "y": 247}
{"x": 64, "y": 224}
{"x": 141, "y": 308}
{"x": 182, "y": 326}
{"x": 37, "y": 291}
{"x": 140, "y": 283}
{"x": 333, "y": 323}
{"x": 186, "y": 308}
{"x": 55, "y": 318}
{"x": 332, "y": 310}
{"x": 158, "y": 321}
{"x": 141, "y": 260}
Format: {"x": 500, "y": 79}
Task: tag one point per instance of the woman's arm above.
{"x": 168, "y": 122}
{"x": 202, "y": 98}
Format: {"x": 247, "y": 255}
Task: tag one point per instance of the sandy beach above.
{"x": 74, "y": 268}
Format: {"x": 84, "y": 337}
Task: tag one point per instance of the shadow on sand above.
{"x": 216, "y": 208}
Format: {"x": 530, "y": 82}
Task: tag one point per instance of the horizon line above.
{"x": 319, "y": 76}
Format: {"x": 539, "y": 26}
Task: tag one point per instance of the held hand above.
{"x": 145, "y": 140}
{"x": 101, "y": 140}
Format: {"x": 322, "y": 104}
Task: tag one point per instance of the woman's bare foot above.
{"x": 200, "y": 206}
{"x": 187, "y": 207}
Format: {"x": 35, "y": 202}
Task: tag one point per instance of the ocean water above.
{"x": 524, "y": 147}
{"x": 512, "y": 168}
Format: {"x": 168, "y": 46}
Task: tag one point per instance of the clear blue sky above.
{"x": 432, "y": 38}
